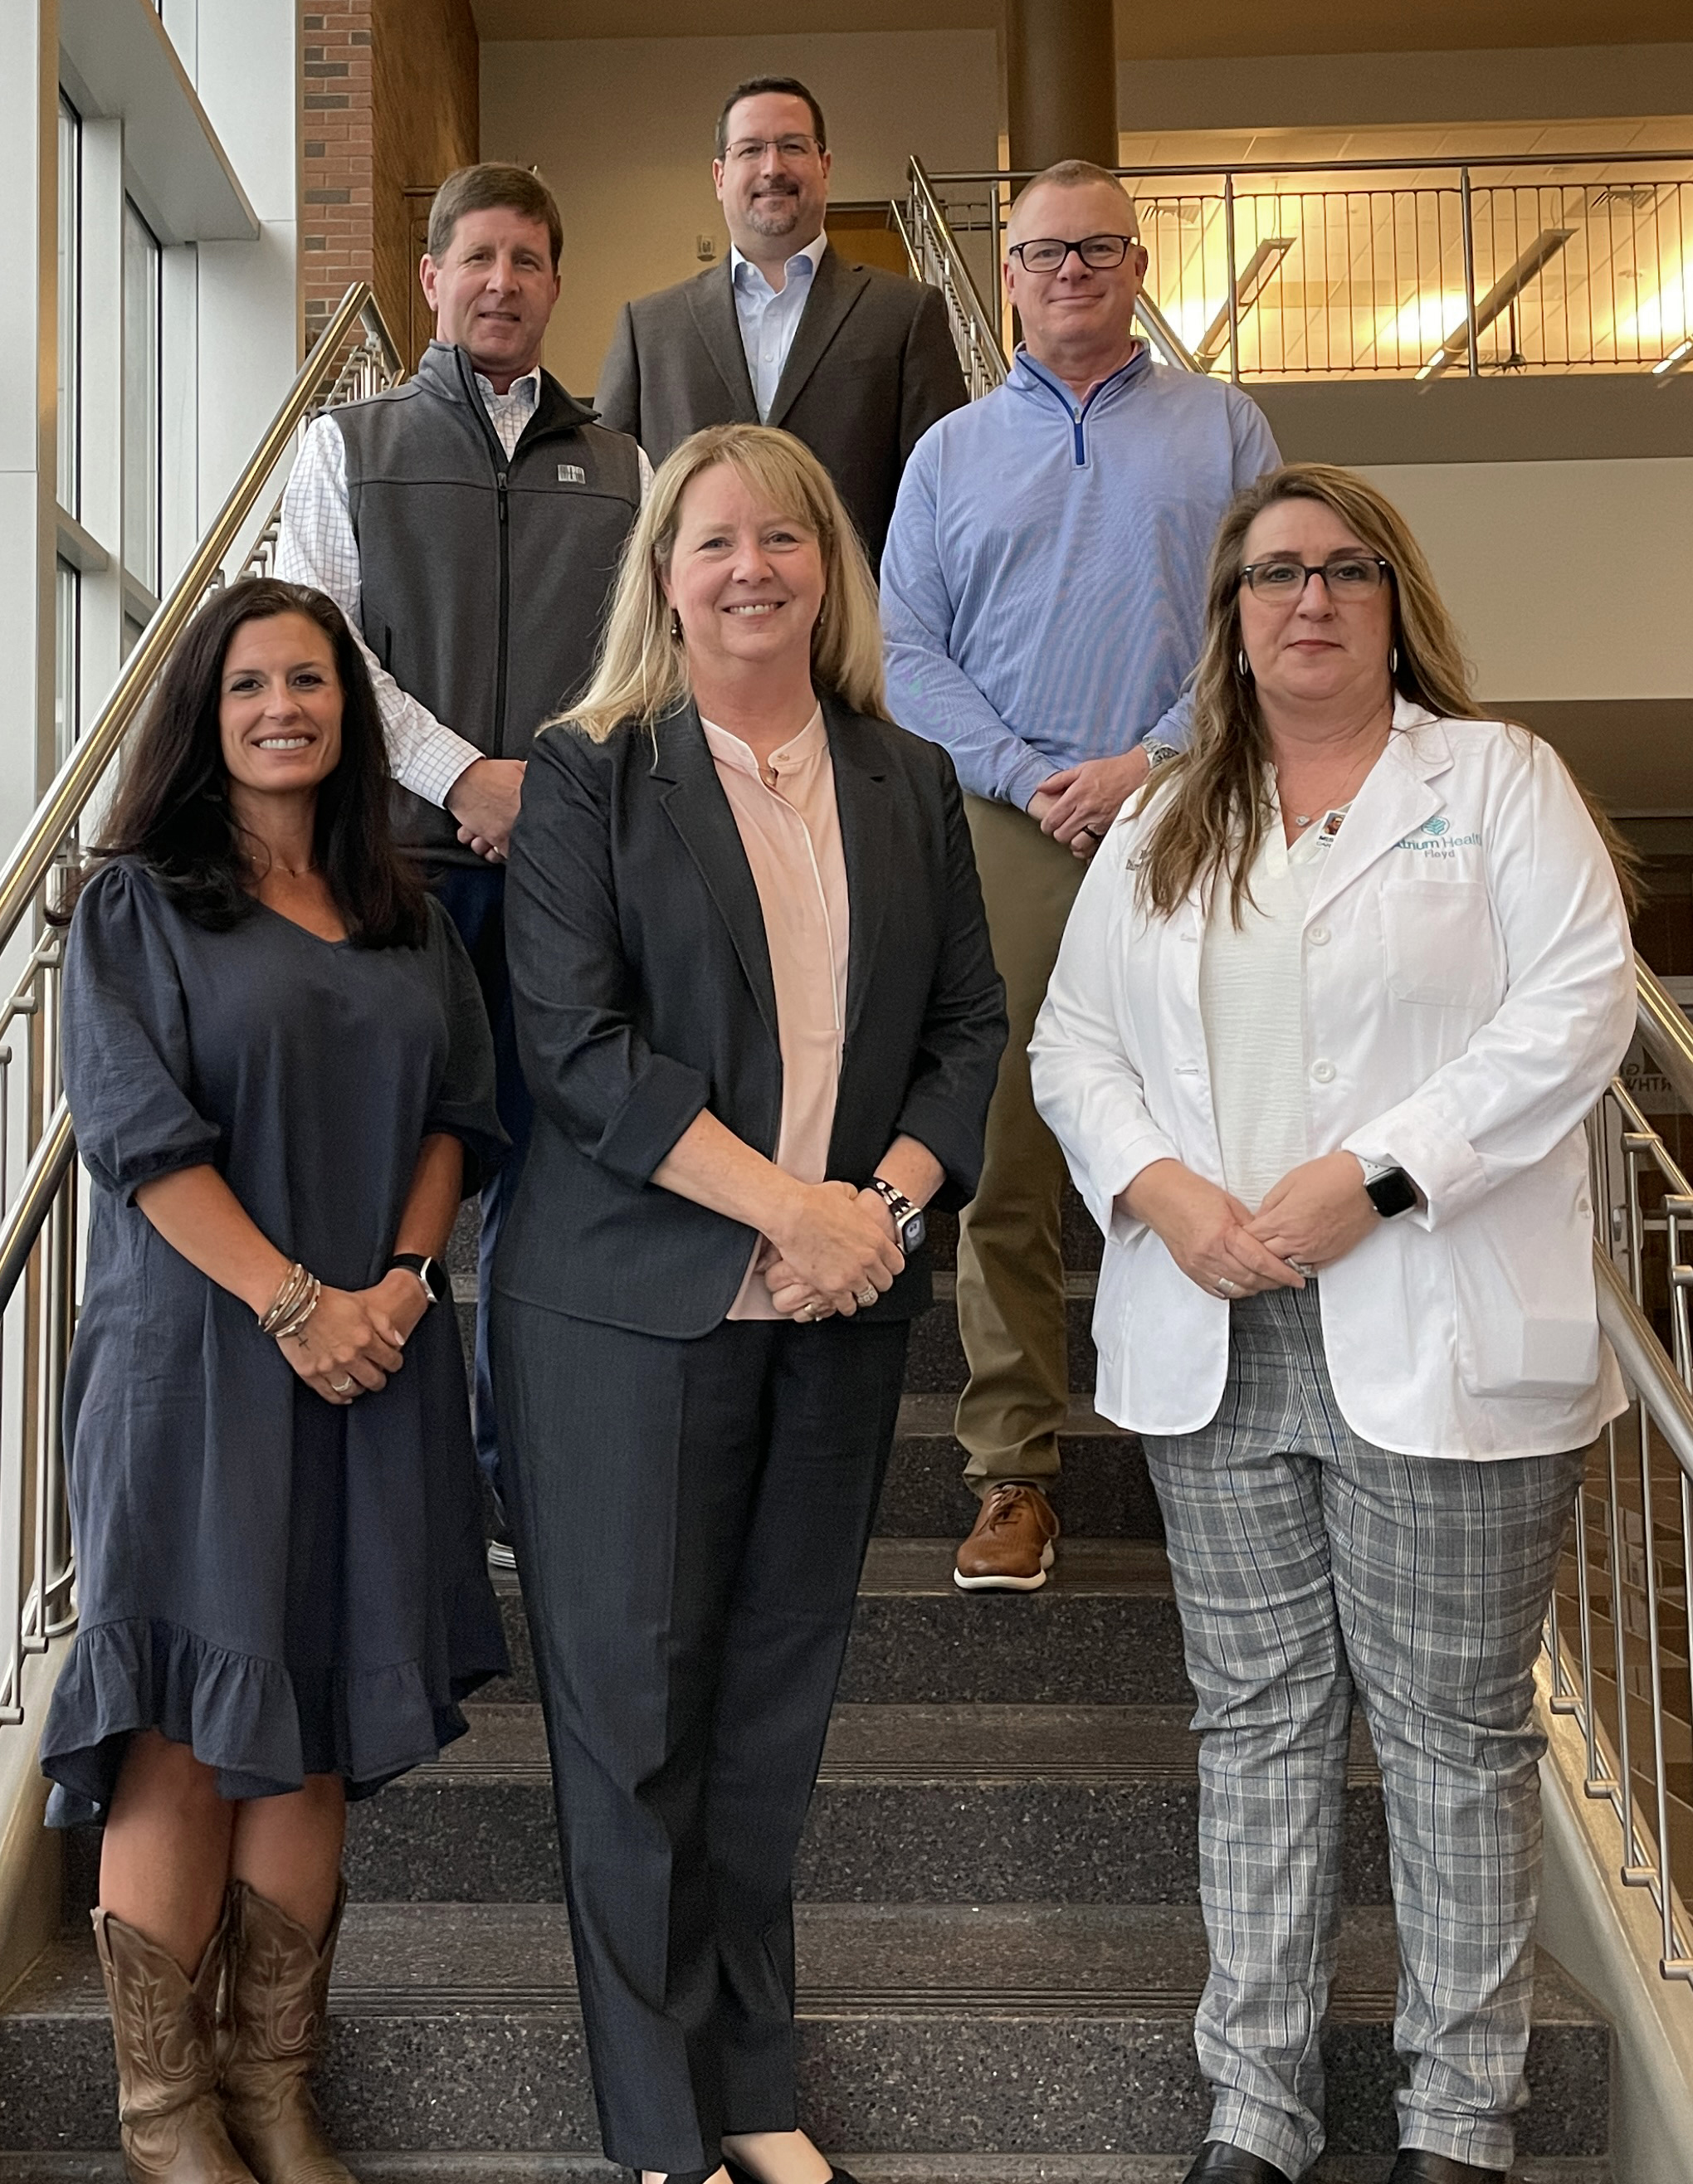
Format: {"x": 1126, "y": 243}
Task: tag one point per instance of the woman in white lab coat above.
{"x": 1335, "y": 996}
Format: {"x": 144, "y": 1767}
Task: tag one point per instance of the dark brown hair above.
{"x": 756, "y": 87}
{"x": 172, "y": 810}
{"x": 484, "y": 188}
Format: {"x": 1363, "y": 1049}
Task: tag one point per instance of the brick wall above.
{"x": 388, "y": 108}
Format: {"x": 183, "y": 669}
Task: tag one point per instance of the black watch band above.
{"x": 429, "y": 1272}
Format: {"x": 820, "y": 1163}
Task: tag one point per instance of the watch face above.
{"x": 1392, "y": 1193}
{"x": 913, "y": 1231}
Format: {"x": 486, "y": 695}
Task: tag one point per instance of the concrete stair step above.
{"x": 1102, "y": 1631}
{"x": 972, "y": 1804}
{"x": 1104, "y": 1493}
{"x": 868, "y": 2167}
{"x": 937, "y": 2028}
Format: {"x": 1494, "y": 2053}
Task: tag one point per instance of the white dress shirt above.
{"x": 770, "y": 317}
{"x": 317, "y": 547}
{"x": 1466, "y": 989}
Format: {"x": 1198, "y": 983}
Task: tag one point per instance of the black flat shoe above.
{"x": 1418, "y": 2165}
{"x": 1219, "y": 2163}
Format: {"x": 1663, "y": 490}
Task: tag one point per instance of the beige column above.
{"x": 1060, "y": 72}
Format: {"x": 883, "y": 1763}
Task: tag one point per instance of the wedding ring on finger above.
{"x": 866, "y": 1295}
{"x": 342, "y": 1387}
{"x": 1225, "y": 1288}
{"x": 1300, "y": 1266}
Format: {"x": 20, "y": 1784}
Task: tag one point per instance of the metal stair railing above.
{"x": 39, "y": 1224}
{"x": 1618, "y": 1635}
{"x": 1404, "y": 268}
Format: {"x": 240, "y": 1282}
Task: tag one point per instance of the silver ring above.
{"x": 806, "y": 1314}
{"x": 1300, "y": 1266}
{"x": 867, "y": 1294}
{"x": 1225, "y": 1287}
{"x": 340, "y": 1387}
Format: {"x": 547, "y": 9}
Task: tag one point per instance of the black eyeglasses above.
{"x": 1344, "y": 576}
{"x": 1046, "y": 253}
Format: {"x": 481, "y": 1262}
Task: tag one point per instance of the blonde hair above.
{"x": 641, "y": 674}
{"x": 1213, "y": 826}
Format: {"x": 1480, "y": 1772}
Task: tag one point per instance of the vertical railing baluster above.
{"x": 1466, "y": 215}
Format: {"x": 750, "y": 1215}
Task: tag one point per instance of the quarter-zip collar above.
{"x": 1036, "y": 383}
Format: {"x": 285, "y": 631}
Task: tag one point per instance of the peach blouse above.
{"x": 792, "y": 836}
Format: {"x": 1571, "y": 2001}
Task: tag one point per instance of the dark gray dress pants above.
{"x": 691, "y": 1519}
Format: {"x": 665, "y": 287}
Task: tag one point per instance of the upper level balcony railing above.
{"x": 1399, "y": 269}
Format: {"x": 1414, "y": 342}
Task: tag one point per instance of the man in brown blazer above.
{"x": 856, "y": 362}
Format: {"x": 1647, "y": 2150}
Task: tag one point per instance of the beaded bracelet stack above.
{"x": 293, "y": 1304}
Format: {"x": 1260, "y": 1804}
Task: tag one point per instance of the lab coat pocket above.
{"x": 1437, "y": 937}
{"x": 1527, "y": 1334}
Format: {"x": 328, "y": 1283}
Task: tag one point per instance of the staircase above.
{"x": 999, "y": 1944}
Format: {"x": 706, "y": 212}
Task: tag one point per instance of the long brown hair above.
{"x": 172, "y": 810}
{"x": 1212, "y": 827}
{"x": 642, "y": 673}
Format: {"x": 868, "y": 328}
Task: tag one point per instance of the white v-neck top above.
{"x": 1252, "y": 1006}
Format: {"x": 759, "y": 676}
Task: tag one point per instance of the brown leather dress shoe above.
{"x": 1011, "y": 1548}
{"x": 1418, "y": 2165}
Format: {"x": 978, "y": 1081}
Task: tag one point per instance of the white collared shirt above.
{"x": 317, "y": 546}
{"x": 770, "y": 317}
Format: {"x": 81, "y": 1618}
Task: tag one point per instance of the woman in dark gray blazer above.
{"x": 758, "y": 1011}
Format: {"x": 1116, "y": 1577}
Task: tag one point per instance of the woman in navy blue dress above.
{"x": 283, "y": 1083}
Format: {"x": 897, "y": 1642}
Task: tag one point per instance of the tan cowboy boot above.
{"x": 278, "y": 1999}
{"x": 165, "y": 2027}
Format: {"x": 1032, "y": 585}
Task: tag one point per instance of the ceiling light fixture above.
{"x": 1251, "y": 286}
{"x": 1455, "y": 348}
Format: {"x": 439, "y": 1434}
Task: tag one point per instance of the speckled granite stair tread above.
{"x": 908, "y": 1569}
{"x": 868, "y": 2167}
{"x": 979, "y": 1743}
{"x": 998, "y": 1960}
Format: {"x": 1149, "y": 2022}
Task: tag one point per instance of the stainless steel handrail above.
{"x": 353, "y": 355}
{"x": 1630, "y": 1694}
{"x": 1604, "y": 294}
{"x": 1159, "y": 169}
{"x": 935, "y": 257}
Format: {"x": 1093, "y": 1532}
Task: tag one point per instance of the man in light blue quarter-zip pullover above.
{"x": 1043, "y": 592}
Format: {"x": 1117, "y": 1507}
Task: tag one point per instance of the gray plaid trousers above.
{"x": 1308, "y": 1563}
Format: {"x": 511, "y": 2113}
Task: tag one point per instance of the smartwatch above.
{"x": 1389, "y": 1189}
{"x": 910, "y": 1227}
{"x": 431, "y": 1273}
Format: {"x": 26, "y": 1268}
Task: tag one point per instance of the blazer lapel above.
{"x": 836, "y": 287}
{"x": 1399, "y": 795}
{"x": 861, "y": 802}
{"x": 711, "y": 299}
{"x": 697, "y": 809}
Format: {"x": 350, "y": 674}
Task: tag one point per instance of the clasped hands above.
{"x": 1315, "y": 1215}
{"x": 356, "y": 1337}
{"x": 1078, "y": 806}
{"x": 836, "y": 1253}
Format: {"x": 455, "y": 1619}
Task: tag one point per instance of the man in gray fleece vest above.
{"x": 468, "y": 523}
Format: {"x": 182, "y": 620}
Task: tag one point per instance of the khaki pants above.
{"x": 1010, "y": 1261}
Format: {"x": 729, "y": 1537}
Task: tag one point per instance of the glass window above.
{"x": 141, "y": 398}
{"x": 70, "y": 304}
{"x": 66, "y": 694}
